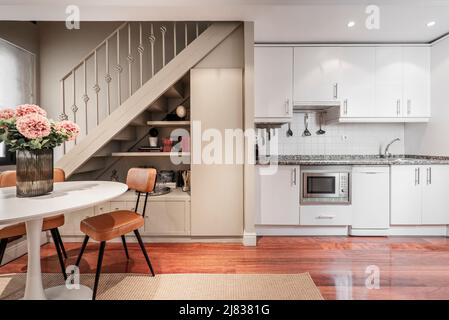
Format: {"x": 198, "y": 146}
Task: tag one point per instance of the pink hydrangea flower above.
{"x": 69, "y": 128}
{"x": 26, "y": 109}
{"x": 33, "y": 126}
{"x": 6, "y": 114}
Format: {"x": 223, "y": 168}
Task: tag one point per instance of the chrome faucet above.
{"x": 386, "y": 154}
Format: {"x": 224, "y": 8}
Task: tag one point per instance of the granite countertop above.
{"x": 355, "y": 160}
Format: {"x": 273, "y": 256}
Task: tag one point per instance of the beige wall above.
{"x": 60, "y": 50}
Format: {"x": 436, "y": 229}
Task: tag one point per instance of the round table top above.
{"x": 66, "y": 197}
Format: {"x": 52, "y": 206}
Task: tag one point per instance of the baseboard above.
{"x": 18, "y": 248}
{"x": 301, "y": 231}
{"x": 249, "y": 239}
{"x": 369, "y": 232}
{"x": 165, "y": 239}
{"x": 423, "y": 231}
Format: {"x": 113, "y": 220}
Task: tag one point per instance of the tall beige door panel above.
{"x": 216, "y": 189}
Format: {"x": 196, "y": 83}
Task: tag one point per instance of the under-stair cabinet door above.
{"x": 357, "y": 81}
{"x": 416, "y": 82}
{"x": 273, "y": 71}
{"x": 216, "y": 184}
{"x": 316, "y": 75}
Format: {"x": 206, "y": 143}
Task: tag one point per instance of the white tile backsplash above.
{"x": 347, "y": 138}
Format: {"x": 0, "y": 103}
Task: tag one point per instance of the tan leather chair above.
{"x": 115, "y": 224}
{"x": 9, "y": 233}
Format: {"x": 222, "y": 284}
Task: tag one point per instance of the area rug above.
{"x": 123, "y": 286}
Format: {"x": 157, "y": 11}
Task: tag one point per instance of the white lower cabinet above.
{"x": 419, "y": 195}
{"x": 166, "y": 215}
{"x": 278, "y": 196}
{"x": 371, "y": 197}
{"x": 325, "y": 215}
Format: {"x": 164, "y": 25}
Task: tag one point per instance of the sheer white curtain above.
{"x": 17, "y": 78}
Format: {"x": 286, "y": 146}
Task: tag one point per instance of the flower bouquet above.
{"x": 33, "y": 136}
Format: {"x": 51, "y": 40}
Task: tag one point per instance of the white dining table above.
{"x": 66, "y": 198}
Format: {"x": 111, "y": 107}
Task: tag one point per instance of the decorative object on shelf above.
{"x": 185, "y": 144}
{"x": 167, "y": 145}
{"x": 153, "y": 140}
{"x": 27, "y": 131}
{"x": 114, "y": 176}
{"x": 186, "y": 180}
{"x": 181, "y": 112}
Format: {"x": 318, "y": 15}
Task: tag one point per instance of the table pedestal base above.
{"x": 62, "y": 293}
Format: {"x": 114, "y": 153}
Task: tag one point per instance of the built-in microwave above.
{"x": 325, "y": 185}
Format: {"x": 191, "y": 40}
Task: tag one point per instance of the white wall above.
{"x": 358, "y": 139}
{"x": 432, "y": 138}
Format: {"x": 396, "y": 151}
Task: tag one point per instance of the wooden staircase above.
{"x": 119, "y": 128}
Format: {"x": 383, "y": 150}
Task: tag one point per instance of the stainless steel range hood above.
{"x": 318, "y": 106}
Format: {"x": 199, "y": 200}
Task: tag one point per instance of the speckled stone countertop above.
{"x": 355, "y": 160}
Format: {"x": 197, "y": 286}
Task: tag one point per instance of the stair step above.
{"x": 175, "y": 91}
{"x": 127, "y": 134}
{"x": 160, "y": 105}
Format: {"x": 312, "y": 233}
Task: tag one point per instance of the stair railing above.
{"x": 154, "y": 44}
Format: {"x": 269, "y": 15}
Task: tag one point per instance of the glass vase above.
{"x": 34, "y": 172}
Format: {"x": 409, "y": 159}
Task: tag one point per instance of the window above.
{"x": 17, "y": 82}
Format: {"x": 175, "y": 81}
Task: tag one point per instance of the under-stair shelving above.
{"x": 168, "y": 123}
{"x": 150, "y": 154}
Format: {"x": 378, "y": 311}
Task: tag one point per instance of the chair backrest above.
{"x": 142, "y": 180}
{"x": 8, "y": 178}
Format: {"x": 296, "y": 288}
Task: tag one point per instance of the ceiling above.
{"x": 275, "y": 20}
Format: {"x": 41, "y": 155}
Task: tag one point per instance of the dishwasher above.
{"x": 370, "y": 201}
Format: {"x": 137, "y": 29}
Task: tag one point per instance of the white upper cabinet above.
{"x": 369, "y": 83}
{"x": 273, "y": 70}
{"x": 357, "y": 81}
{"x": 388, "y": 79}
{"x": 316, "y": 75}
{"x": 416, "y": 64}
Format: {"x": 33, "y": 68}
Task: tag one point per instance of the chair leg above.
{"x": 61, "y": 244}
{"x": 58, "y": 250}
{"x": 125, "y": 247}
{"x": 83, "y": 247}
{"x": 3, "y": 243}
{"x": 139, "y": 239}
{"x": 97, "y": 274}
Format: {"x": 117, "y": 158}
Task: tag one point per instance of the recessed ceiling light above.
{"x": 351, "y": 24}
{"x": 431, "y": 24}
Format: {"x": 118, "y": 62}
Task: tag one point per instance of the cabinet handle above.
{"x": 294, "y": 176}
{"x": 336, "y": 91}
{"x": 419, "y": 173}
{"x": 325, "y": 217}
{"x": 430, "y": 175}
{"x": 416, "y": 176}
{"x": 398, "y": 107}
{"x": 345, "y": 107}
{"x": 287, "y": 106}
{"x": 409, "y": 106}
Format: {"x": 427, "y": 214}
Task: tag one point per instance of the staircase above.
{"x": 138, "y": 78}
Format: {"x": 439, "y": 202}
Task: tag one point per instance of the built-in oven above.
{"x": 325, "y": 185}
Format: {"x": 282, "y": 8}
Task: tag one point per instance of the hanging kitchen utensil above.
{"x": 321, "y": 131}
{"x": 306, "y": 132}
{"x": 289, "y": 131}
